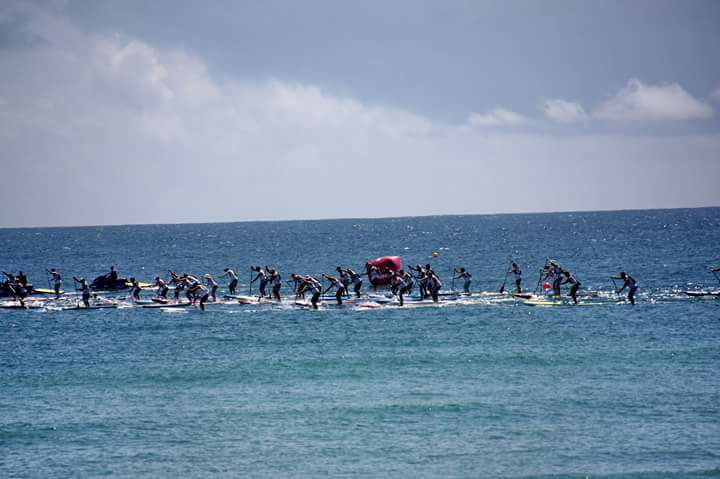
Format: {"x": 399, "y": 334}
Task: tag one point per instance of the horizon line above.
{"x": 289, "y": 220}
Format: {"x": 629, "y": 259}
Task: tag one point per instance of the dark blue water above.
{"x": 492, "y": 389}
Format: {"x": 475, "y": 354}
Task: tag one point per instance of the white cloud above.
{"x": 496, "y": 117}
{"x": 563, "y": 111}
{"x": 111, "y": 129}
{"x": 638, "y": 101}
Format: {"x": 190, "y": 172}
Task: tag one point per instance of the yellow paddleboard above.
{"x": 45, "y": 291}
{"x": 141, "y": 284}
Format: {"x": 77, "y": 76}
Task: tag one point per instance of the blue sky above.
{"x": 138, "y": 112}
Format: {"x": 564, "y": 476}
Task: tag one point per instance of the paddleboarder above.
{"x": 629, "y": 283}
{"x": 466, "y": 277}
{"x": 233, "y": 280}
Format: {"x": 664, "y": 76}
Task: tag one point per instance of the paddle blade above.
{"x": 502, "y": 289}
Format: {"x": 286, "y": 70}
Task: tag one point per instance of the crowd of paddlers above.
{"x": 383, "y": 272}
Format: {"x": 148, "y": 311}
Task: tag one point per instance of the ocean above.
{"x": 485, "y": 388}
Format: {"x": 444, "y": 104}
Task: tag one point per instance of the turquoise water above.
{"x": 487, "y": 389}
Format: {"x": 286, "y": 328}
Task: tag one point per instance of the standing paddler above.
{"x": 297, "y": 284}
{"x": 356, "y": 281}
{"x": 18, "y": 290}
{"x": 554, "y": 273}
{"x": 340, "y": 289}
{"x": 433, "y": 283}
{"x": 135, "y": 289}
{"x": 233, "y": 280}
{"x": 56, "y": 280}
{"x": 262, "y": 277}
{"x": 198, "y": 291}
{"x": 404, "y": 283}
{"x": 515, "y": 270}
{"x": 314, "y": 286}
{"x": 275, "y": 281}
{"x": 629, "y": 283}
{"x": 421, "y": 279}
{"x": 466, "y": 277}
{"x": 162, "y": 287}
{"x": 344, "y": 279}
{"x": 575, "y": 285}
{"x": 212, "y": 284}
{"x": 85, "y": 289}
{"x": 179, "y": 284}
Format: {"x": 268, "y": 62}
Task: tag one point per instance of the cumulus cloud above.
{"x": 496, "y": 117}
{"x": 563, "y": 111}
{"x": 639, "y": 101}
{"x": 108, "y": 128}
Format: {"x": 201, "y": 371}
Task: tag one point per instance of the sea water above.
{"x": 483, "y": 389}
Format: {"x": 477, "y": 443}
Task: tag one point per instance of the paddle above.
{"x": 507, "y": 272}
{"x": 541, "y": 275}
{"x": 452, "y": 287}
{"x": 251, "y": 282}
{"x": 615, "y": 288}
{"x": 714, "y": 272}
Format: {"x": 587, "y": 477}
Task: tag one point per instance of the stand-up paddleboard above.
{"x": 81, "y": 307}
{"x": 254, "y": 300}
{"x": 703, "y": 294}
{"x": 167, "y": 305}
{"x": 535, "y": 302}
{"x": 45, "y": 291}
{"x": 523, "y": 295}
{"x": 368, "y": 305}
{"x": 18, "y": 306}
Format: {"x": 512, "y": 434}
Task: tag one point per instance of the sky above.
{"x": 126, "y": 112}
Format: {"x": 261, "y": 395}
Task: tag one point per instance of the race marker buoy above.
{"x": 435, "y": 254}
